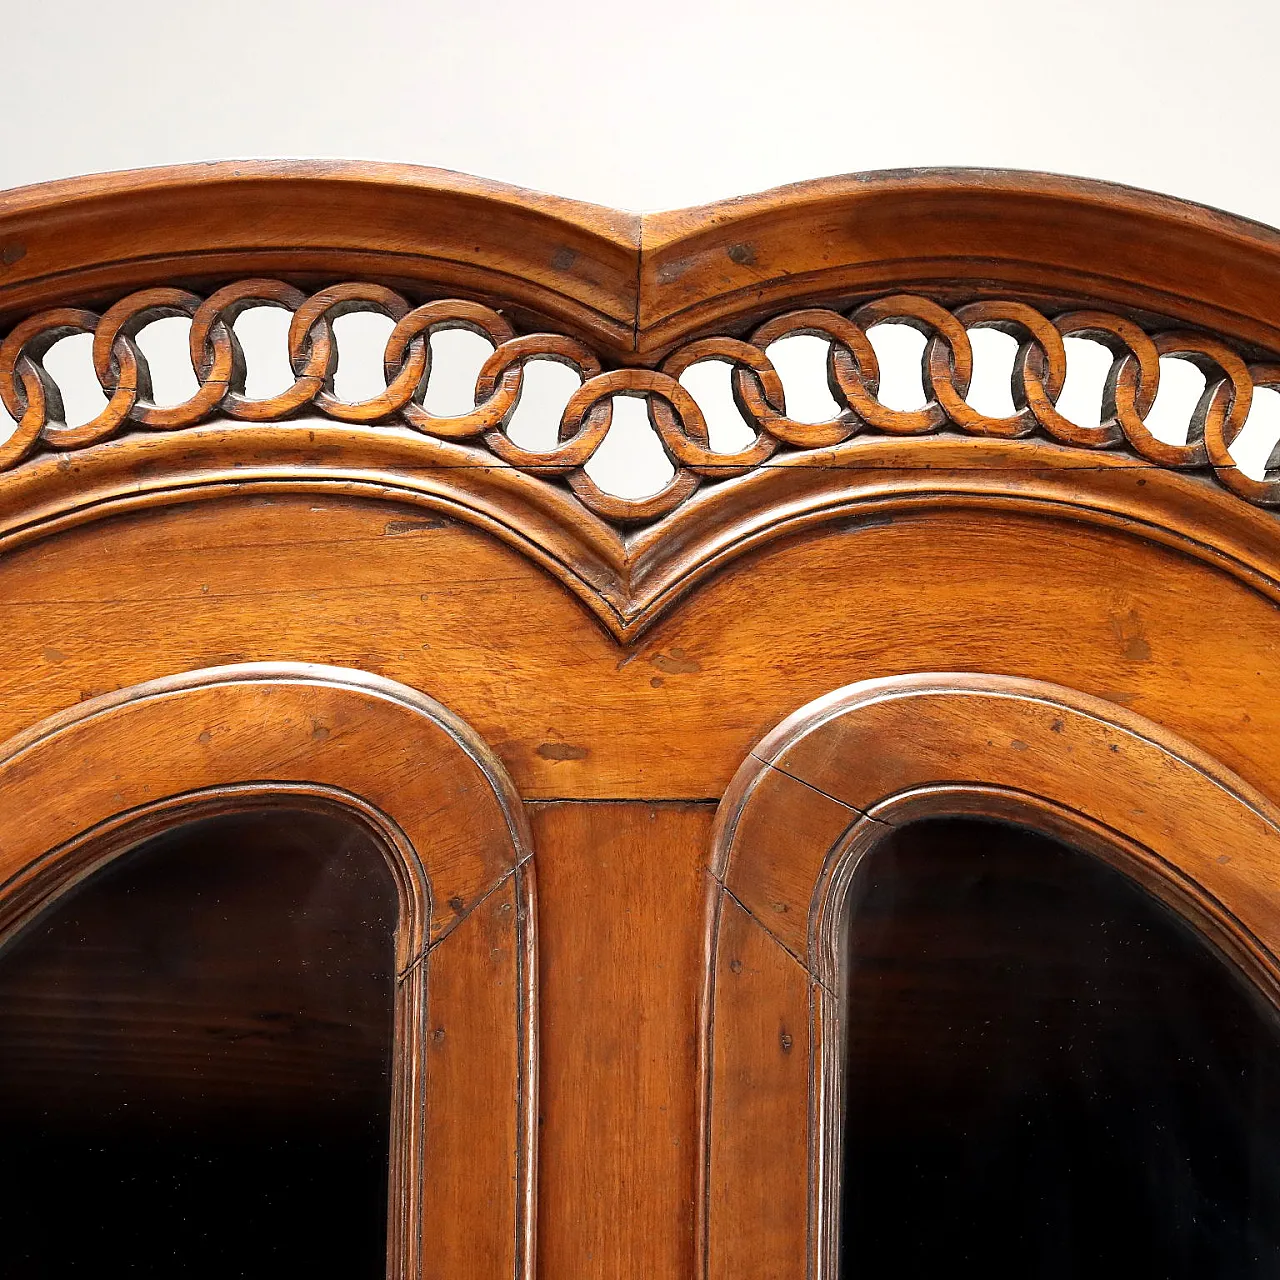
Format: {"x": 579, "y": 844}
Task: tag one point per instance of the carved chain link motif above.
{"x": 32, "y": 397}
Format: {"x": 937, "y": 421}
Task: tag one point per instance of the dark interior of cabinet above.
{"x": 1049, "y": 1073}
{"x": 194, "y": 1059}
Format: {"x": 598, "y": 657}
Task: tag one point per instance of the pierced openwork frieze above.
{"x": 34, "y": 401}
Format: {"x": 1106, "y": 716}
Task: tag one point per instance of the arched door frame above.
{"x": 94, "y": 781}
{"x": 824, "y": 788}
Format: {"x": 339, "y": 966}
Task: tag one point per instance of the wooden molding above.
{"x": 629, "y": 581}
{"x": 653, "y": 280}
{"x": 158, "y": 538}
{"x": 94, "y": 781}
{"x": 90, "y": 240}
{"x": 628, "y": 302}
{"x": 815, "y": 796}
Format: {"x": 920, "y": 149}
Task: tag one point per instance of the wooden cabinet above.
{"x": 856, "y": 857}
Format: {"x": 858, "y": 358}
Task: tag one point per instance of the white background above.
{"x": 659, "y": 105}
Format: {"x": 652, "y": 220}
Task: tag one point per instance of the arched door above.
{"x": 266, "y": 997}
{"x": 1077, "y": 862}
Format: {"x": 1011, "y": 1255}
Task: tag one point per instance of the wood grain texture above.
{"x": 873, "y": 748}
{"x": 94, "y": 237}
{"x": 1010, "y": 251}
{"x": 631, "y": 582}
{"x": 1048, "y": 234}
{"x": 474, "y": 1069}
{"x": 322, "y": 727}
{"x": 621, "y": 894}
{"x": 366, "y": 586}
{"x": 757, "y": 1196}
{"x": 789, "y": 827}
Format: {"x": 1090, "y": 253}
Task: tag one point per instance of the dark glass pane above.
{"x": 194, "y": 1059}
{"x": 1049, "y": 1074}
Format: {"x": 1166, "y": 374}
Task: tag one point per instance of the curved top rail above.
{"x": 974, "y": 231}
{"x": 630, "y": 303}
{"x": 90, "y": 240}
{"x": 638, "y": 284}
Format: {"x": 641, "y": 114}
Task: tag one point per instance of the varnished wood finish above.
{"x": 622, "y": 901}
{"x": 618, "y": 668}
{"x": 429, "y": 606}
{"x": 96, "y": 238}
{"x": 86, "y": 239}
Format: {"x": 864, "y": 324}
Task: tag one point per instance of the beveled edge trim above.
{"x": 927, "y": 229}
{"x": 94, "y": 238}
{"x": 320, "y": 674}
{"x": 814, "y": 715}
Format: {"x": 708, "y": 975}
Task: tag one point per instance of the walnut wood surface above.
{"x": 611, "y": 674}
{"x": 573, "y": 714}
{"x": 94, "y": 238}
{"x": 1035, "y": 256}
{"x": 620, "y": 883}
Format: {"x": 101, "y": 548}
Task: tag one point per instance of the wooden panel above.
{"x": 473, "y": 1081}
{"x": 571, "y": 713}
{"x": 621, "y": 910}
{"x": 758, "y": 1193}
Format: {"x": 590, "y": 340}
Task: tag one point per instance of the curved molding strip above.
{"x": 630, "y": 304}
{"x": 651, "y": 281}
{"x": 86, "y": 240}
{"x": 93, "y": 781}
{"x": 630, "y": 580}
{"x": 815, "y": 796}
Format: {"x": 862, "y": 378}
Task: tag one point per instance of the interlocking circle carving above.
{"x": 32, "y": 397}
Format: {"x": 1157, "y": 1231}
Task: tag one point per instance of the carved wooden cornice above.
{"x": 631, "y": 303}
